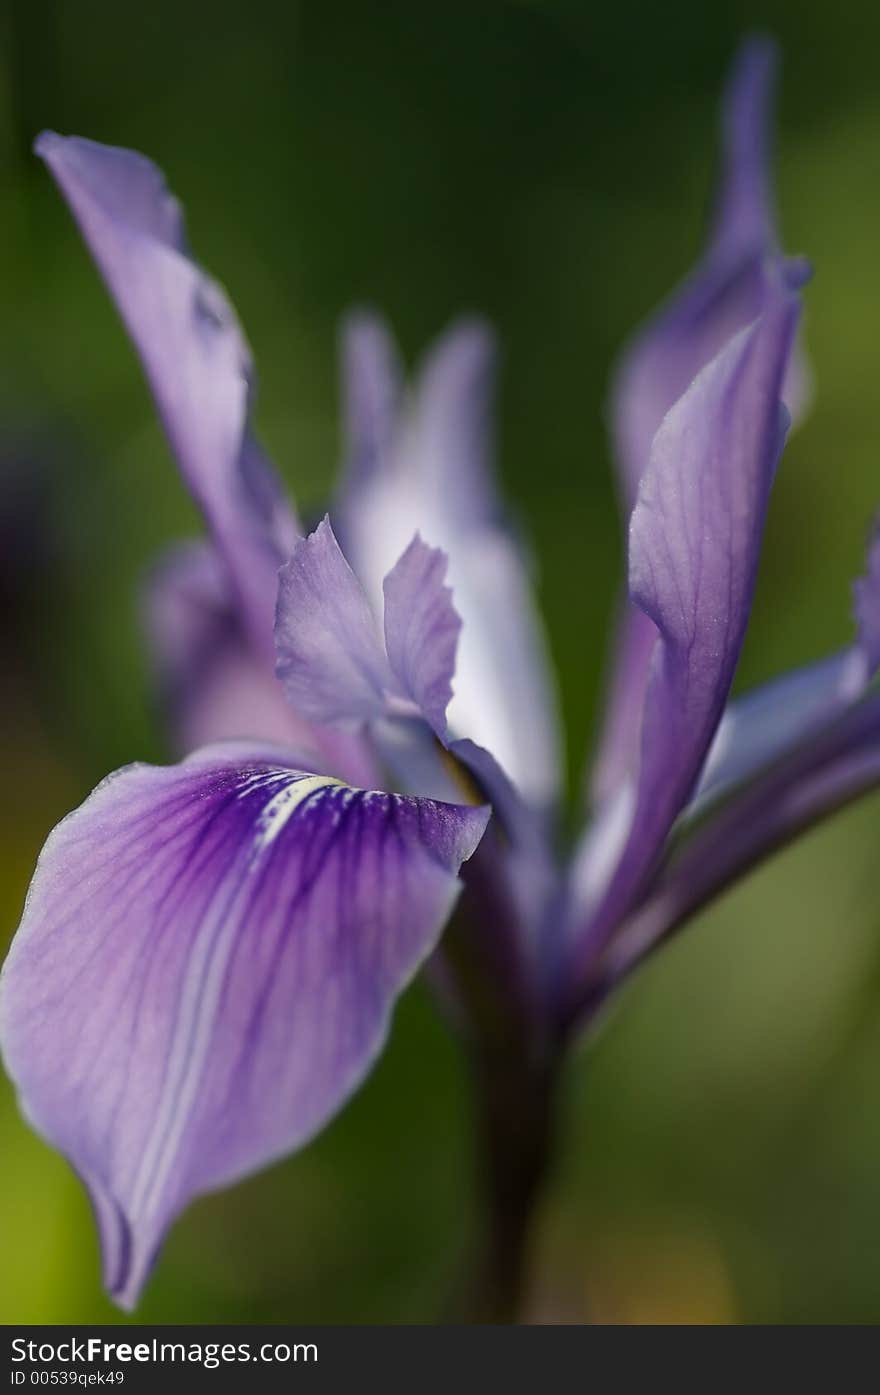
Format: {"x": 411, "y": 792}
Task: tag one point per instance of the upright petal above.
{"x": 724, "y": 292}
{"x": 372, "y": 385}
{"x": 193, "y": 352}
{"x": 331, "y": 659}
{"x": 435, "y": 479}
{"x": 422, "y": 630}
{"x": 693, "y": 553}
{"x": 211, "y": 684}
{"x": 206, "y": 969}
{"x": 744, "y": 218}
{"x": 722, "y": 295}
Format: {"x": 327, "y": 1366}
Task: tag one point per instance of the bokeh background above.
{"x": 549, "y": 165}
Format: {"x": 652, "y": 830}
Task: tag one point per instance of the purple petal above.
{"x": 212, "y": 685}
{"x": 744, "y": 218}
{"x": 758, "y": 728}
{"x": 694, "y": 542}
{"x": 372, "y": 386}
{"x": 867, "y": 604}
{"x": 435, "y": 479}
{"x": 722, "y": 295}
{"x": 509, "y": 926}
{"x": 634, "y": 636}
{"x": 206, "y": 969}
{"x": 451, "y": 425}
{"x": 765, "y": 724}
{"x": 193, "y": 352}
{"x": 331, "y": 660}
{"x": 837, "y": 766}
{"x": 422, "y": 630}
{"x": 724, "y": 292}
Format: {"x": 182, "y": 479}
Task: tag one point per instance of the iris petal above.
{"x": 694, "y": 543}
{"x": 331, "y": 657}
{"x": 372, "y": 384}
{"x": 422, "y": 630}
{"x": 725, "y": 290}
{"x": 430, "y": 473}
{"x": 206, "y": 968}
{"x": 723, "y": 294}
{"x": 762, "y": 725}
{"x": 194, "y": 354}
{"x": 211, "y": 683}
{"x": 765, "y": 724}
{"x": 336, "y": 666}
{"x": 808, "y": 784}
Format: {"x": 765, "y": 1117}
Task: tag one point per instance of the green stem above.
{"x": 515, "y": 1064}
{"x": 515, "y": 1102}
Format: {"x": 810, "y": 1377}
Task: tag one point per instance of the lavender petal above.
{"x": 762, "y": 726}
{"x": 372, "y": 384}
{"x": 194, "y": 354}
{"x": 431, "y": 475}
{"x": 212, "y": 685}
{"x": 722, "y": 295}
{"x": 422, "y": 630}
{"x": 206, "y": 969}
{"x": 694, "y": 542}
{"x": 331, "y": 657}
{"x": 334, "y": 664}
{"x": 824, "y": 774}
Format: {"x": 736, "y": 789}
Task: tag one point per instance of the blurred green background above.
{"x": 549, "y": 165}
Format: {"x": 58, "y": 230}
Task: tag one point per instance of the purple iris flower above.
{"x": 211, "y": 951}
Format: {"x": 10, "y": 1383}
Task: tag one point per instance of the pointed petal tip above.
{"x": 366, "y": 344}
{"x": 322, "y": 535}
{"x": 757, "y": 55}
{"x": 362, "y": 319}
{"x": 745, "y": 220}
{"x": 472, "y": 326}
{"x": 49, "y": 145}
{"x": 123, "y": 1271}
{"x": 418, "y": 545}
{"x": 751, "y": 81}
{"x": 46, "y": 142}
{"x": 469, "y": 342}
{"x": 87, "y": 154}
